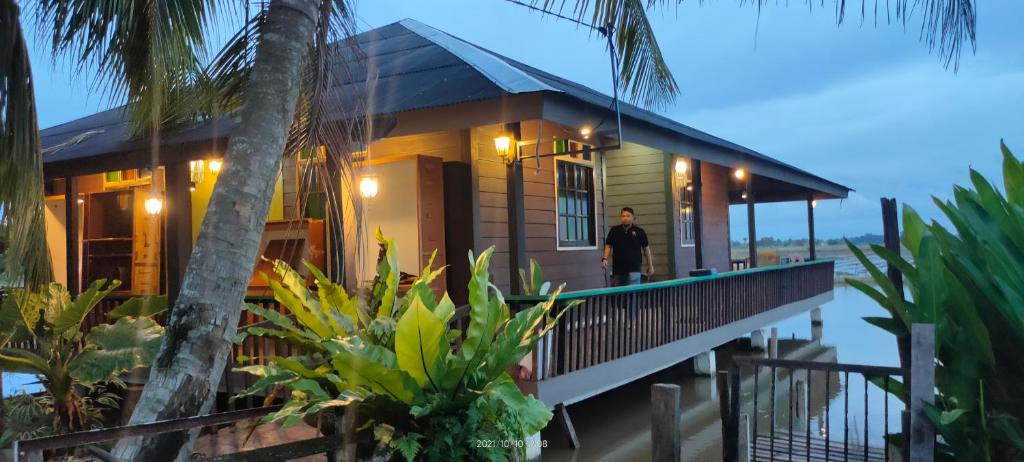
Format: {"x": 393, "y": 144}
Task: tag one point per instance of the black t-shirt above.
{"x": 626, "y": 246}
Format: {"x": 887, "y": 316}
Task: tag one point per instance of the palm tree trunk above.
{"x": 184, "y": 378}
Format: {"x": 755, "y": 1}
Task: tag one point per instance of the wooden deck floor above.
{"x": 237, "y": 438}
{"x": 763, "y": 450}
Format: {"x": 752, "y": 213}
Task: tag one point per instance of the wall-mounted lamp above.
{"x": 739, "y": 174}
{"x": 196, "y": 170}
{"x": 585, "y": 131}
{"x": 215, "y": 165}
{"x": 743, "y": 196}
{"x": 154, "y": 205}
{"x": 369, "y": 186}
{"x": 682, "y": 166}
{"x": 503, "y": 144}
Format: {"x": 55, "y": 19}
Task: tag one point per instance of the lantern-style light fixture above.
{"x": 504, "y": 145}
{"x": 196, "y": 170}
{"x": 739, "y": 174}
{"x": 586, "y": 131}
{"x": 369, "y": 186}
{"x": 154, "y": 205}
{"x": 682, "y": 166}
{"x": 814, "y": 203}
{"x": 215, "y": 165}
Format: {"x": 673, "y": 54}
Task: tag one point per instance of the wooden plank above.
{"x": 286, "y": 451}
{"x": 922, "y": 391}
{"x": 665, "y": 415}
{"x": 562, "y": 415}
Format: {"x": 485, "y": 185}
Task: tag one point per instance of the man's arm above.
{"x": 607, "y": 253}
{"x": 650, "y": 261}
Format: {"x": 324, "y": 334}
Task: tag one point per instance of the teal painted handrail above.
{"x": 577, "y": 294}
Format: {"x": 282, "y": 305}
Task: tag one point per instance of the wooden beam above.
{"x": 751, "y": 225}
{"x": 698, "y": 214}
{"x": 891, "y": 232}
{"x": 665, "y": 413}
{"x": 922, "y": 391}
{"x": 671, "y": 216}
{"x": 71, "y": 233}
{"x": 516, "y": 214}
{"x": 179, "y": 226}
{"x": 562, "y": 416}
{"x": 811, "y": 245}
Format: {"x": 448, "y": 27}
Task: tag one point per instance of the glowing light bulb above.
{"x": 740, "y": 174}
{"x": 503, "y": 145}
{"x": 682, "y": 166}
{"x": 585, "y": 131}
{"x": 215, "y": 165}
{"x": 369, "y": 186}
{"x": 814, "y": 203}
{"x": 154, "y": 205}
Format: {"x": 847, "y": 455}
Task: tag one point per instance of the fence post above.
{"x": 665, "y": 414}
{"x": 743, "y": 442}
{"x": 922, "y": 390}
{"x": 729, "y": 435}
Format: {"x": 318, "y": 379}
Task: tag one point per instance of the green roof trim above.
{"x": 578, "y": 294}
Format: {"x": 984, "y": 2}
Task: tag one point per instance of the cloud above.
{"x": 908, "y": 132}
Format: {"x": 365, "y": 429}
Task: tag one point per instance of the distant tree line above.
{"x": 769, "y": 241}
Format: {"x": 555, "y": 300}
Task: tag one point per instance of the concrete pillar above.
{"x": 773, "y": 344}
{"x": 816, "y": 319}
{"x": 704, "y": 364}
{"x": 758, "y": 340}
{"x": 816, "y": 332}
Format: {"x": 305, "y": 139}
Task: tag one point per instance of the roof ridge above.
{"x": 494, "y": 68}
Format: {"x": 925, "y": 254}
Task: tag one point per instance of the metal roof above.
{"x": 416, "y": 66}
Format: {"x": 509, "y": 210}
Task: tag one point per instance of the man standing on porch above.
{"x": 627, "y": 245}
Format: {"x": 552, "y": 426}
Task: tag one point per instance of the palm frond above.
{"x": 946, "y": 25}
{"x": 145, "y": 52}
{"x": 643, "y": 72}
{"x": 21, "y": 168}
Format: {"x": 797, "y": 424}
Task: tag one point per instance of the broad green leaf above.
{"x": 894, "y": 385}
{"x": 333, "y": 297}
{"x": 1013, "y": 176}
{"x": 111, "y": 349}
{"x": 140, "y": 306}
{"x": 375, "y": 368}
{"x": 948, "y": 417}
{"x": 890, "y": 325}
{"x": 307, "y": 309}
{"x": 303, "y": 315}
{"x": 385, "y": 291}
{"x": 532, "y": 414}
{"x": 26, "y": 362}
{"x": 445, "y": 309}
{"x": 420, "y": 345}
{"x": 72, "y": 317}
{"x": 914, "y": 229}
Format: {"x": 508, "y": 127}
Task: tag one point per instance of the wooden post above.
{"x": 698, "y": 214}
{"x": 729, "y": 437}
{"x": 922, "y": 390}
{"x": 672, "y": 188}
{"x": 562, "y": 416}
{"x": 179, "y": 226}
{"x": 773, "y": 344}
{"x": 751, "y": 226}
{"x": 665, "y": 414}
{"x": 339, "y": 433}
{"x": 891, "y": 231}
{"x": 516, "y": 214}
{"x": 811, "y": 245}
{"x": 71, "y": 233}
{"x": 25, "y": 456}
{"x": 743, "y": 443}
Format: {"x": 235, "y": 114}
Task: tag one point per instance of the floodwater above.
{"x": 615, "y": 426}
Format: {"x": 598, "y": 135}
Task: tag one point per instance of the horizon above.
{"x": 870, "y": 119}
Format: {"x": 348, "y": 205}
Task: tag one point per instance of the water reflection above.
{"x": 615, "y": 426}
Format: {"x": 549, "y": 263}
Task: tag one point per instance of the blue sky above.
{"x": 863, "y": 106}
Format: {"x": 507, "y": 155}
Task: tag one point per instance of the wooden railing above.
{"x": 617, "y": 322}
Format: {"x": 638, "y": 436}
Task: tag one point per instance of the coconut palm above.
{"x": 146, "y": 51}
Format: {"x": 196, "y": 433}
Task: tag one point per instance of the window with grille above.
{"x": 686, "y": 222}
{"x": 575, "y": 204}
